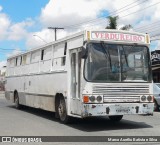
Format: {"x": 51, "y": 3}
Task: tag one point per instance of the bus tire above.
{"x": 62, "y": 111}
{"x": 16, "y": 101}
{"x": 116, "y": 118}
{"x": 156, "y": 107}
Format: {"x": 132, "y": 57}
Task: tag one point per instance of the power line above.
{"x": 126, "y": 15}
{"x": 2, "y": 49}
{"x": 133, "y": 6}
{"x": 6, "y": 49}
{"x": 150, "y": 30}
{"x": 146, "y": 26}
{"x": 155, "y": 28}
{"x": 156, "y": 35}
{"x": 138, "y": 11}
{"x": 114, "y": 12}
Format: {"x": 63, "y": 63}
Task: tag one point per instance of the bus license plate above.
{"x": 122, "y": 110}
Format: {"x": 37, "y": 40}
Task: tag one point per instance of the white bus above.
{"x": 92, "y": 73}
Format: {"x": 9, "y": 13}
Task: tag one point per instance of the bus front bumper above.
{"x": 117, "y": 109}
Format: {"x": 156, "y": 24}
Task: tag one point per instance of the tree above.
{"x": 113, "y": 24}
{"x": 126, "y": 27}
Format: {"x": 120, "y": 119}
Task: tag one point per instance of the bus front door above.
{"x": 75, "y": 63}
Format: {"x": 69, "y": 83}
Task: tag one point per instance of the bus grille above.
{"x": 121, "y": 92}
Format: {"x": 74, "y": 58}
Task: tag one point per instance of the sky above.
{"x": 24, "y": 24}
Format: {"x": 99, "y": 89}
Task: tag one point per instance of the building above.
{"x": 2, "y": 78}
{"x": 155, "y": 58}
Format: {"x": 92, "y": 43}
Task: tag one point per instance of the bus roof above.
{"x": 111, "y": 35}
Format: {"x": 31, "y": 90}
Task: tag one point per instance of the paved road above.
{"x": 34, "y": 122}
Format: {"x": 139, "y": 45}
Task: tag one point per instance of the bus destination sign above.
{"x": 98, "y": 35}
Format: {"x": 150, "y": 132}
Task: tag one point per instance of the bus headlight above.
{"x": 99, "y": 98}
{"x": 143, "y": 98}
{"x": 149, "y": 98}
{"x": 92, "y": 98}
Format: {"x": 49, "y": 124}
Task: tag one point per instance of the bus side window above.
{"x": 55, "y": 62}
{"x": 46, "y": 53}
{"x": 12, "y": 62}
{"x": 16, "y": 61}
{"x": 21, "y": 60}
{"x": 42, "y": 54}
{"x": 35, "y": 56}
{"x": 63, "y": 61}
{"x": 24, "y": 59}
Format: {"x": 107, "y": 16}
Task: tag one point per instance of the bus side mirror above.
{"x": 83, "y": 53}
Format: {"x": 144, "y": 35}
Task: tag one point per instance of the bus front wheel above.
{"x": 116, "y": 117}
{"x": 156, "y": 107}
{"x": 62, "y": 111}
{"x": 16, "y": 101}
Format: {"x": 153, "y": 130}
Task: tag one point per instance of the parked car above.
{"x": 156, "y": 92}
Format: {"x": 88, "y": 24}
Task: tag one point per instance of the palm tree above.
{"x": 113, "y": 24}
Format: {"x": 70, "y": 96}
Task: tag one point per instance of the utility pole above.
{"x": 55, "y": 31}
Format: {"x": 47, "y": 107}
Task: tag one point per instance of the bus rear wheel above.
{"x": 116, "y": 117}
{"x": 62, "y": 111}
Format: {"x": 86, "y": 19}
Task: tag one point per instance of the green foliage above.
{"x": 126, "y": 27}
{"x": 113, "y": 24}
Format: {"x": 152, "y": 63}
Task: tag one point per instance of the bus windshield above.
{"x": 117, "y": 63}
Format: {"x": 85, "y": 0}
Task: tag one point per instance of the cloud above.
{"x": 62, "y": 12}
{"x": 4, "y": 25}
{"x": 42, "y": 37}
{"x": 18, "y": 31}
{"x": 1, "y": 8}
{"x": 65, "y": 13}
{"x": 13, "y": 31}
{"x": 14, "y": 52}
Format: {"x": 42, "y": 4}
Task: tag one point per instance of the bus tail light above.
{"x": 85, "y": 99}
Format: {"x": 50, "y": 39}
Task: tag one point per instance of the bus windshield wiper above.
{"x": 107, "y": 53}
{"x": 125, "y": 55}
